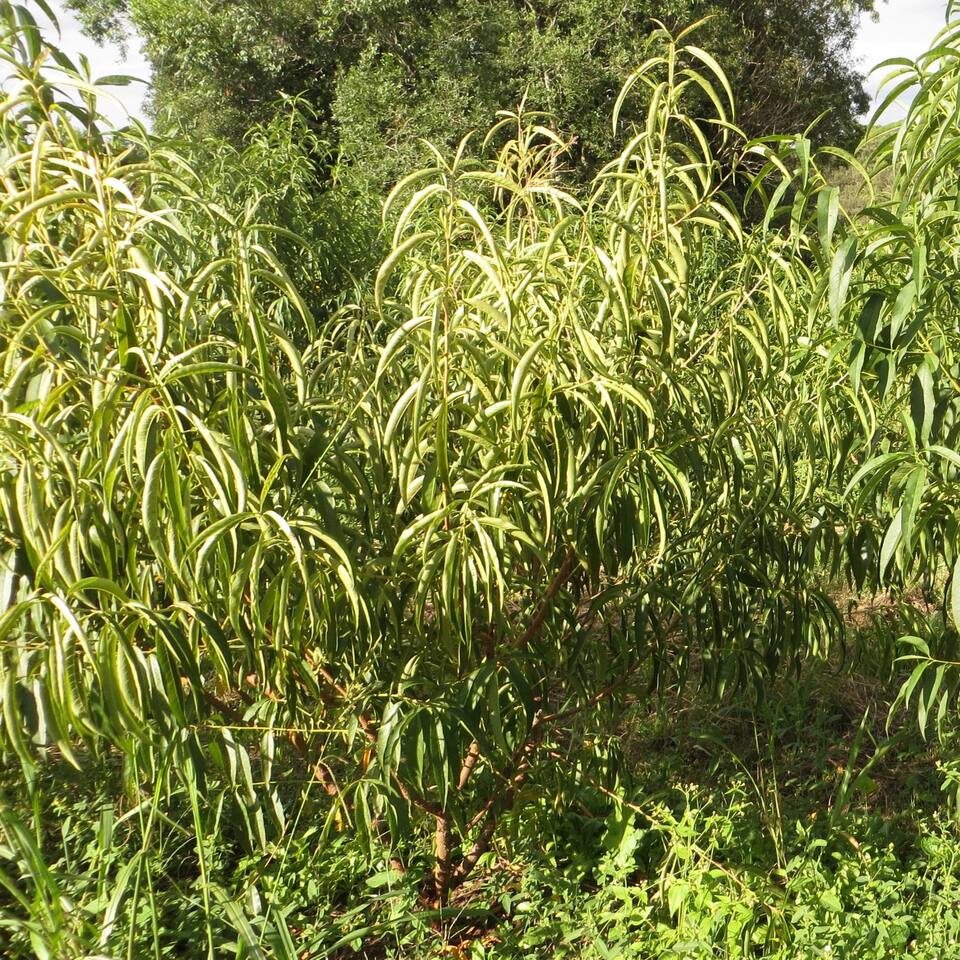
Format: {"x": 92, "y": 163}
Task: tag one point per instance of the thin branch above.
{"x": 469, "y": 762}
{"x": 546, "y": 604}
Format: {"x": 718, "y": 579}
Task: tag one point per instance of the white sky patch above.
{"x": 105, "y": 61}
{"x": 905, "y": 28}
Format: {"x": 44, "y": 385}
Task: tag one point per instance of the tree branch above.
{"x": 546, "y": 604}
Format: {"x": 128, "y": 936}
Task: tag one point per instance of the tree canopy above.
{"x": 385, "y": 74}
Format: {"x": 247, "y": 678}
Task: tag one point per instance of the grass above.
{"x": 791, "y": 830}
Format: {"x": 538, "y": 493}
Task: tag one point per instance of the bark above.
{"x": 442, "y": 871}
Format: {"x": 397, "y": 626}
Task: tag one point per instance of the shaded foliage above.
{"x": 384, "y": 75}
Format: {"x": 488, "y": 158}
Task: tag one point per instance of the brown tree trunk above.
{"x": 442, "y": 870}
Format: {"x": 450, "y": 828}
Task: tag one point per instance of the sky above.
{"x": 904, "y": 28}
{"x": 104, "y": 61}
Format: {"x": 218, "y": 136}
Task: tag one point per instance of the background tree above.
{"x": 384, "y": 74}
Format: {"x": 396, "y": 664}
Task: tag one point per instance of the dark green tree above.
{"x": 384, "y": 74}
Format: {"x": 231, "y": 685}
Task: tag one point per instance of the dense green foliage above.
{"x": 365, "y": 589}
{"x": 383, "y": 75}
{"x": 739, "y": 836}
